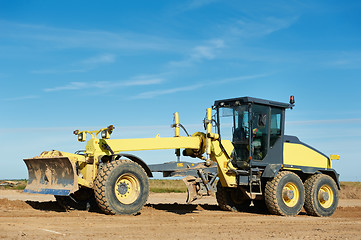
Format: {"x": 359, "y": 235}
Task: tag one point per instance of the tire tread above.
{"x": 271, "y": 193}
{"x": 310, "y": 201}
{"x": 221, "y": 196}
{"x": 100, "y": 181}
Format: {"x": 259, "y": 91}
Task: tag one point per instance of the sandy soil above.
{"x": 166, "y": 216}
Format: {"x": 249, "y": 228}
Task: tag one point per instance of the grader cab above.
{"x": 247, "y": 160}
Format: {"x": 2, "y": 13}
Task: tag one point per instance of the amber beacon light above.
{"x": 292, "y": 99}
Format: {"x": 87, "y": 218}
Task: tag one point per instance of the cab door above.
{"x": 267, "y": 138}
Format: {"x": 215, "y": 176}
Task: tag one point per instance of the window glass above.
{"x": 260, "y": 123}
{"x": 275, "y": 131}
{"x": 234, "y": 126}
{"x": 240, "y": 133}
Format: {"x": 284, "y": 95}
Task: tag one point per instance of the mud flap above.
{"x": 192, "y": 193}
{"x": 55, "y": 175}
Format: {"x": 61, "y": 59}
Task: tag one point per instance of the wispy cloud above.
{"x": 136, "y": 81}
{"x": 240, "y": 78}
{"x": 193, "y": 4}
{"x": 42, "y": 36}
{"x": 105, "y": 58}
{"x": 143, "y": 82}
{"x": 190, "y": 5}
{"x": 76, "y": 86}
{"x": 84, "y": 65}
{"x": 21, "y": 98}
{"x": 63, "y": 70}
{"x": 325, "y": 121}
{"x": 207, "y": 51}
{"x": 251, "y": 28}
{"x": 345, "y": 60}
{"x": 152, "y": 94}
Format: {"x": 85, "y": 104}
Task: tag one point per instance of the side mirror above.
{"x": 262, "y": 120}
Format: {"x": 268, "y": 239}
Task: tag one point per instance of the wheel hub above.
{"x": 288, "y": 194}
{"x": 127, "y": 188}
{"x": 122, "y": 188}
{"x": 325, "y": 196}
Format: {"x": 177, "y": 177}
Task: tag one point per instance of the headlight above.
{"x": 80, "y": 137}
{"x": 104, "y": 134}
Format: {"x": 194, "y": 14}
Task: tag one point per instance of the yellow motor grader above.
{"x": 257, "y": 163}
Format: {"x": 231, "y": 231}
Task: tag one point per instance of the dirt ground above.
{"x": 166, "y": 216}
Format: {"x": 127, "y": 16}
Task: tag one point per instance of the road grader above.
{"x": 247, "y": 160}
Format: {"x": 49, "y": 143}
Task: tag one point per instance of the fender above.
{"x": 135, "y": 159}
{"x": 312, "y": 170}
{"x": 332, "y": 173}
{"x": 271, "y": 170}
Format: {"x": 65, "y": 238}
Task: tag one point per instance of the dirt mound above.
{"x": 350, "y": 190}
{"x": 348, "y": 212}
{"x": 6, "y": 204}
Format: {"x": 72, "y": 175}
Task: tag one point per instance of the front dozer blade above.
{"x": 53, "y": 175}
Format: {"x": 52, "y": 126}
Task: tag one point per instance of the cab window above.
{"x": 275, "y": 131}
{"x": 260, "y": 124}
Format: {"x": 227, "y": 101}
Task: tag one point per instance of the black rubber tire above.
{"x": 274, "y": 194}
{"x": 83, "y": 199}
{"x": 106, "y": 180}
{"x": 231, "y": 199}
{"x": 313, "y": 185}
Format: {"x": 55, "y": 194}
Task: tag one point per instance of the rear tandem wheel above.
{"x": 321, "y": 195}
{"x": 285, "y": 194}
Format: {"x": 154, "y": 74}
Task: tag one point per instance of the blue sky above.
{"x": 69, "y": 65}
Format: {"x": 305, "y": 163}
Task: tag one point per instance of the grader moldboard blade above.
{"x": 51, "y": 175}
{"x": 192, "y": 193}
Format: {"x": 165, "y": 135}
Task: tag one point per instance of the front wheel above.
{"x": 321, "y": 195}
{"x": 121, "y": 187}
{"x": 231, "y": 199}
{"x": 285, "y": 194}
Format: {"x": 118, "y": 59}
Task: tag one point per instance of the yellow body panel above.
{"x": 157, "y": 143}
{"x": 86, "y": 183}
{"x": 176, "y": 124}
{"x": 87, "y": 173}
{"x": 140, "y": 144}
{"x": 95, "y": 149}
{"x": 300, "y": 155}
{"x": 209, "y": 130}
{"x": 227, "y": 178}
{"x": 92, "y": 146}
